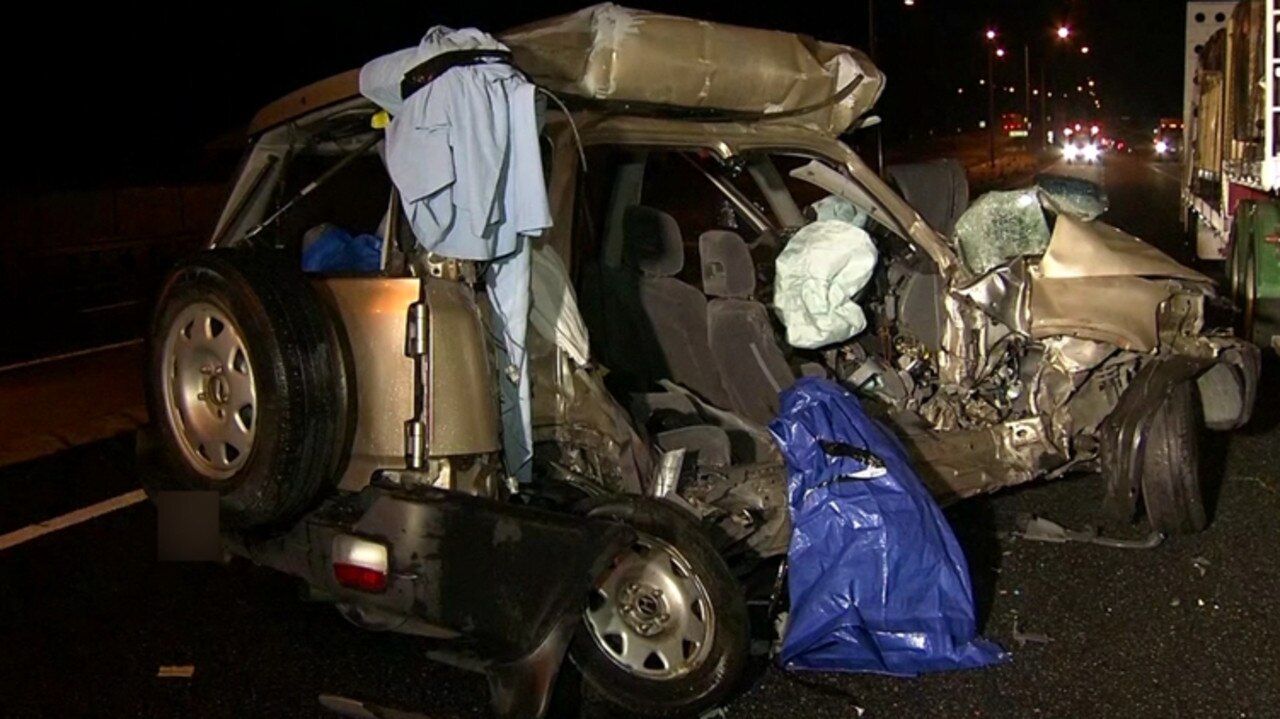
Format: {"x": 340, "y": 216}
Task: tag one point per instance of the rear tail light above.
{"x": 360, "y": 563}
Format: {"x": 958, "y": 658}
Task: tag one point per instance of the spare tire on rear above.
{"x": 246, "y": 387}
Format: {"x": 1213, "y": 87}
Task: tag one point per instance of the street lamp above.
{"x": 991, "y": 94}
{"x": 871, "y": 52}
{"x": 1063, "y": 34}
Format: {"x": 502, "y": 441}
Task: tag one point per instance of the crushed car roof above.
{"x": 639, "y": 62}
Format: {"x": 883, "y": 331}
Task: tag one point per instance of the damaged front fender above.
{"x": 1227, "y": 382}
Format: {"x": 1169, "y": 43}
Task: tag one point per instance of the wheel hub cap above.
{"x": 651, "y": 615}
{"x": 209, "y": 392}
{"x": 644, "y": 609}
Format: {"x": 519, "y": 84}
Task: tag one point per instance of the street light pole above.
{"x": 871, "y": 29}
{"x": 1026, "y": 79}
{"x": 991, "y": 106}
{"x": 1044, "y": 102}
{"x": 871, "y": 53}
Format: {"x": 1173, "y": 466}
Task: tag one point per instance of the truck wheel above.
{"x": 1171, "y": 488}
{"x": 245, "y": 386}
{"x": 665, "y": 632}
{"x": 1259, "y": 316}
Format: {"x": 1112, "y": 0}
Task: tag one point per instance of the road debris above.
{"x": 355, "y": 709}
{"x": 1039, "y": 529}
{"x": 1023, "y": 638}
{"x": 1201, "y": 564}
{"x": 1176, "y": 602}
{"x": 183, "y": 671}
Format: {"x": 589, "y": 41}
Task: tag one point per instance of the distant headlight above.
{"x": 1162, "y": 147}
{"x": 1070, "y": 152}
{"x": 1091, "y": 152}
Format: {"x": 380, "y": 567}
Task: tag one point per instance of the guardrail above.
{"x": 80, "y": 269}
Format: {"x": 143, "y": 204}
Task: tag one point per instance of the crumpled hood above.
{"x": 1098, "y": 282}
{"x": 1080, "y": 249}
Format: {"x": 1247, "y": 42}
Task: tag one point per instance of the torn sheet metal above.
{"x": 1073, "y": 355}
{"x": 1000, "y": 226}
{"x": 1096, "y": 249}
{"x": 608, "y": 52}
{"x": 818, "y": 273}
{"x": 1004, "y": 294}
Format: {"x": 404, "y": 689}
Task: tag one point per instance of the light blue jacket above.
{"x": 463, "y": 152}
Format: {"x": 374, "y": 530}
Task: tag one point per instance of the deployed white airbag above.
{"x": 822, "y": 268}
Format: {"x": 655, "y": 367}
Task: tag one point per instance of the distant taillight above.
{"x": 360, "y": 563}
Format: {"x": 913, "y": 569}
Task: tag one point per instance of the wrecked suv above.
{"x": 349, "y": 424}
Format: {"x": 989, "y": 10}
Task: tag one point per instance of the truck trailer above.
{"x": 1231, "y": 170}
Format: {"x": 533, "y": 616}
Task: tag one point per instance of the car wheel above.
{"x": 1172, "y": 491}
{"x": 245, "y": 386}
{"x": 665, "y": 631}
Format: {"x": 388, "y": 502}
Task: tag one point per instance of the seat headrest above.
{"x": 938, "y": 190}
{"x": 653, "y": 241}
{"x": 727, "y": 268}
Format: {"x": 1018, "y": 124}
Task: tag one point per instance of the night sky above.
{"x": 116, "y": 93}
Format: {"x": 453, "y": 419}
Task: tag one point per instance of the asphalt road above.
{"x": 1189, "y": 629}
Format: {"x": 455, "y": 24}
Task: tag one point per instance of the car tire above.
{"x": 1172, "y": 491}
{"x": 705, "y": 673}
{"x": 246, "y": 386}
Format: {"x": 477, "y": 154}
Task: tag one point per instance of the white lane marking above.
{"x": 70, "y": 519}
{"x": 71, "y": 355}
{"x": 1160, "y": 171}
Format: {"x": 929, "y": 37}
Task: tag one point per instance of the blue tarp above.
{"x": 333, "y": 249}
{"x": 878, "y": 582}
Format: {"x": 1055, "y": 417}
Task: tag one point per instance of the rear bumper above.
{"x": 491, "y": 586}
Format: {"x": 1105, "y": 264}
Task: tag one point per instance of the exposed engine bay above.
{"x": 990, "y": 379}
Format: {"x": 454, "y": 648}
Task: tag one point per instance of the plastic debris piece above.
{"x": 1024, "y": 638}
{"x": 1073, "y": 196}
{"x": 183, "y": 671}
{"x": 1000, "y": 226}
{"x": 1200, "y": 602}
{"x": 877, "y": 580}
{"x": 1176, "y": 602}
{"x": 1201, "y": 564}
{"x": 818, "y": 273}
{"x": 1039, "y": 529}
